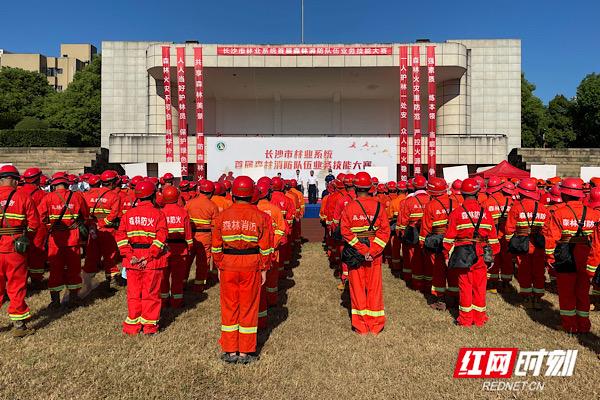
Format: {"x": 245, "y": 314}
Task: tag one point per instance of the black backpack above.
{"x": 465, "y": 256}
{"x": 350, "y": 256}
{"x": 564, "y": 258}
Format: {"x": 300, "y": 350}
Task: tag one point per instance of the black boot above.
{"x": 54, "y": 301}
{"x": 20, "y": 329}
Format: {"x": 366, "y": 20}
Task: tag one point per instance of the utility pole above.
{"x": 302, "y": 20}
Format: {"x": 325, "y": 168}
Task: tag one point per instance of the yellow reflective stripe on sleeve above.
{"x": 446, "y": 240}
{"x": 379, "y": 242}
{"x": 158, "y": 243}
{"x": 189, "y": 241}
{"x": 336, "y": 221}
{"x": 440, "y": 222}
{"x": 591, "y": 268}
{"x": 266, "y": 252}
{"x": 508, "y": 237}
{"x": 122, "y": 243}
{"x": 176, "y": 230}
{"x": 200, "y": 221}
{"x": 464, "y": 226}
{"x": 242, "y": 237}
{"x": 369, "y": 313}
{"x": 216, "y": 249}
{"x": 421, "y": 238}
{"x": 416, "y": 215}
{"x": 549, "y": 251}
{"x": 14, "y": 216}
{"x": 522, "y": 223}
{"x": 493, "y": 241}
{"x": 66, "y": 216}
{"x": 353, "y": 241}
{"x": 485, "y": 226}
{"x": 248, "y": 330}
{"x": 141, "y": 234}
{"x": 400, "y": 226}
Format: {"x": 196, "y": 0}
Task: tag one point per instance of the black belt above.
{"x": 242, "y": 252}
{"x": 194, "y": 229}
{"x": 140, "y": 245}
{"x": 181, "y": 241}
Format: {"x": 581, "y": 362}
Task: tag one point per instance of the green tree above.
{"x": 533, "y": 116}
{"x": 560, "y": 132}
{"x": 77, "y": 109}
{"x": 586, "y": 119}
{"x": 22, "y": 93}
{"x": 29, "y": 123}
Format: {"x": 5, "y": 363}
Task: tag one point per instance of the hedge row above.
{"x": 38, "y": 138}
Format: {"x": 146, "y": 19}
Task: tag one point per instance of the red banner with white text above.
{"x": 166, "y": 61}
{"x": 431, "y": 111}
{"x": 403, "y": 157}
{"x": 183, "y": 143}
{"x": 199, "y": 89}
{"x": 416, "y": 63}
{"x": 303, "y": 51}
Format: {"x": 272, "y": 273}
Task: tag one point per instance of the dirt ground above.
{"x": 308, "y": 353}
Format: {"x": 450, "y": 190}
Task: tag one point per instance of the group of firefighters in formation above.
{"x": 451, "y": 244}
{"x": 154, "y": 230}
{"x": 455, "y": 244}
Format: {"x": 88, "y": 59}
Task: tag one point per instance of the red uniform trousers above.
{"x": 471, "y": 294}
{"x": 427, "y": 275}
{"x": 13, "y": 281}
{"x": 102, "y": 251}
{"x": 262, "y": 308}
{"x": 202, "y": 253}
{"x": 406, "y": 264}
{"x": 531, "y": 272}
{"x": 366, "y": 297}
{"x": 143, "y": 300}
{"x": 334, "y": 258}
{"x": 573, "y": 294}
{"x": 36, "y": 260}
{"x": 174, "y": 280}
{"x": 285, "y": 255}
{"x": 503, "y": 268}
{"x": 345, "y": 272}
{"x": 271, "y": 284}
{"x": 387, "y": 253}
{"x": 65, "y": 268}
{"x": 297, "y": 232}
{"x": 396, "y": 264}
{"x": 444, "y": 280}
{"x": 416, "y": 265}
{"x": 240, "y": 298}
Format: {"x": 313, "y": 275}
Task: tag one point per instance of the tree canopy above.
{"x": 22, "y": 93}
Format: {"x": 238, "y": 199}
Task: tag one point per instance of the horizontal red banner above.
{"x": 303, "y": 51}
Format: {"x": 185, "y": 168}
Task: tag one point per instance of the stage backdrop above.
{"x": 247, "y": 155}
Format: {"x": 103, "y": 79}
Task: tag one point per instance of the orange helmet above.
{"x": 243, "y": 186}
{"x": 437, "y": 186}
{"x": 205, "y": 186}
{"x": 470, "y": 187}
{"x": 528, "y": 187}
{"x": 419, "y": 182}
{"x": 170, "y": 194}
{"x": 219, "y": 189}
{"x": 144, "y": 189}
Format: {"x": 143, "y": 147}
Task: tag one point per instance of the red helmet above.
{"x": 144, "y": 189}
{"x": 32, "y": 174}
{"x": 381, "y": 188}
{"x": 586, "y": 188}
{"x": 205, "y": 186}
{"x": 479, "y": 180}
{"x": 184, "y": 186}
{"x": 572, "y": 187}
{"x": 59, "y": 178}
{"x": 72, "y": 179}
{"x": 528, "y": 187}
{"x": 410, "y": 185}
{"x": 375, "y": 181}
{"x": 437, "y": 186}
{"x": 277, "y": 184}
{"x": 470, "y": 186}
{"x": 456, "y": 185}
{"x": 109, "y": 176}
{"x": 124, "y": 179}
{"x": 595, "y": 182}
{"x": 402, "y": 186}
{"x": 594, "y": 200}
{"x": 243, "y": 186}
{"x": 44, "y": 180}
{"x": 94, "y": 180}
{"x": 227, "y": 184}
{"x": 154, "y": 180}
{"x": 554, "y": 194}
{"x": 338, "y": 184}
{"x": 508, "y": 188}
{"x": 135, "y": 180}
{"x": 255, "y": 196}
{"x": 293, "y": 183}
{"x": 287, "y": 183}
{"x": 495, "y": 184}
{"x": 9, "y": 171}
{"x": 219, "y": 189}
{"x": 349, "y": 180}
{"x": 168, "y": 177}
{"x": 362, "y": 180}
{"x": 340, "y": 177}
{"x": 419, "y": 182}
{"x": 331, "y": 187}
{"x": 263, "y": 189}
{"x": 170, "y": 194}
{"x": 193, "y": 185}
{"x": 264, "y": 179}
{"x": 391, "y": 185}
{"x": 85, "y": 177}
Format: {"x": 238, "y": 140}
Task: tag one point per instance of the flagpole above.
{"x": 302, "y": 19}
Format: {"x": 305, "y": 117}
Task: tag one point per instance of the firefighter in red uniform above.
{"x": 105, "y": 210}
{"x": 394, "y": 211}
{"x": 482, "y": 196}
{"x": 498, "y": 205}
{"x": 242, "y": 253}
{"x": 594, "y": 202}
{"x": 471, "y": 249}
{"x": 365, "y": 227}
{"x": 65, "y": 211}
{"x": 334, "y": 258}
{"x": 19, "y": 221}
{"x": 567, "y": 250}
{"x": 346, "y": 196}
{"x": 180, "y": 245}
{"x": 455, "y": 192}
{"x": 527, "y": 218}
{"x": 202, "y": 212}
{"x": 409, "y": 222}
{"x": 141, "y": 239}
{"x": 288, "y": 209}
{"x": 433, "y": 227}
{"x": 36, "y": 257}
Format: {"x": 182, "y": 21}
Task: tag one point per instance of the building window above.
{"x": 59, "y": 88}
{"x": 59, "y": 71}
{"x": 51, "y": 71}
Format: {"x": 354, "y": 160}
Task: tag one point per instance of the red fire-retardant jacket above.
{"x": 179, "y": 240}
{"x": 520, "y": 213}
{"x": 34, "y": 192}
{"x": 499, "y": 205}
{"x": 65, "y": 232}
{"x": 143, "y": 226}
{"x": 435, "y": 216}
{"x": 240, "y": 227}
{"x": 354, "y": 222}
{"x": 411, "y": 211}
{"x": 461, "y": 229}
{"x": 105, "y": 207}
{"x": 342, "y": 201}
{"x": 127, "y": 199}
{"x": 21, "y": 214}
{"x": 594, "y": 258}
{"x": 287, "y": 207}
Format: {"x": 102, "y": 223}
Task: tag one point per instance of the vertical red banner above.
{"x": 416, "y": 64}
{"x": 431, "y": 111}
{"x": 403, "y": 113}
{"x": 183, "y": 143}
{"x": 199, "y": 89}
{"x": 166, "y": 61}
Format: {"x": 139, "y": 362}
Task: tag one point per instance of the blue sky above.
{"x": 560, "y": 40}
